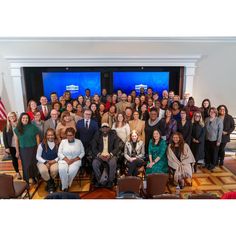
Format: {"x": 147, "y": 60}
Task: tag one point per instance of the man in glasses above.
{"x": 86, "y": 129}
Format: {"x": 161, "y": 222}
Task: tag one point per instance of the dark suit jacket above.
{"x": 113, "y": 143}
{"x": 228, "y": 127}
{"x": 42, "y": 115}
{"x": 185, "y": 130}
{"x": 86, "y": 135}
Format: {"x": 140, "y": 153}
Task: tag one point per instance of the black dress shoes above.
{"x": 221, "y": 163}
{"x": 211, "y": 167}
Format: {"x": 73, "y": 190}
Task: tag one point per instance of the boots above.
{"x": 51, "y": 186}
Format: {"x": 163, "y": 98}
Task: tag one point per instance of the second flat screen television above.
{"x": 128, "y": 81}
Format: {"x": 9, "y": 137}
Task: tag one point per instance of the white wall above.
{"x": 214, "y": 77}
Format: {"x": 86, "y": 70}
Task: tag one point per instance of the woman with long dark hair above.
{"x": 167, "y": 125}
{"x": 184, "y": 126}
{"x": 157, "y": 154}
{"x": 180, "y": 159}
{"x": 228, "y": 128}
{"x": 27, "y": 139}
{"x": 9, "y": 141}
{"x": 206, "y": 106}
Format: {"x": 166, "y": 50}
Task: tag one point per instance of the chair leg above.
{"x": 28, "y": 193}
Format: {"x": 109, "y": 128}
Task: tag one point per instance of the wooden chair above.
{"x": 129, "y": 184}
{"x": 142, "y": 172}
{"x": 171, "y": 177}
{"x": 156, "y": 184}
{"x": 10, "y": 188}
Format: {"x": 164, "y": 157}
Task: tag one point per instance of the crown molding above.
{"x": 198, "y": 39}
{"x": 165, "y": 60}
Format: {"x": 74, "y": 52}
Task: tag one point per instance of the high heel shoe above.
{"x": 18, "y": 175}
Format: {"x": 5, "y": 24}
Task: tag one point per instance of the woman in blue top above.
{"x": 157, "y": 154}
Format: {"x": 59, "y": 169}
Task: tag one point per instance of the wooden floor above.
{"x": 218, "y": 182}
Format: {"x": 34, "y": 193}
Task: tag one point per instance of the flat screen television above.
{"x": 75, "y": 82}
{"x": 128, "y": 81}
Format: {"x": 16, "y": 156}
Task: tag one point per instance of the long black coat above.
{"x": 185, "y": 130}
{"x": 113, "y": 143}
{"x": 228, "y": 127}
{"x": 198, "y": 133}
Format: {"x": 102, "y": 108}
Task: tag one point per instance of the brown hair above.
{"x": 29, "y": 103}
{"x": 63, "y": 115}
{"x": 213, "y": 109}
{"x": 132, "y": 132}
{"x": 181, "y": 142}
{"x": 123, "y": 122}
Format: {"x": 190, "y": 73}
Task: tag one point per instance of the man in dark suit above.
{"x": 105, "y": 148}
{"x": 86, "y": 129}
{"x": 44, "y": 108}
{"x": 52, "y": 122}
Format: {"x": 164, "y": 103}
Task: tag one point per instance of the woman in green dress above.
{"x": 157, "y": 155}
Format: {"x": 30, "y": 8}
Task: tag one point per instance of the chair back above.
{"x": 156, "y": 184}
{"x": 129, "y": 184}
{"x": 6, "y": 186}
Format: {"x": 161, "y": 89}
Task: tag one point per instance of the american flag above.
{"x": 3, "y": 113}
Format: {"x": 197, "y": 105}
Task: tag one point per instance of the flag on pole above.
{"x": 3, "y": 113}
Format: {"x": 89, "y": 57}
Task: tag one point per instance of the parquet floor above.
{"x": 218, "y": 182}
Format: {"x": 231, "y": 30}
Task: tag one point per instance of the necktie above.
{"x": 45, "y": 112}
{"x": 86, "y": 125}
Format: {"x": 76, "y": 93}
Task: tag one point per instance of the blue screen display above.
{"x": 75, "y": 82}
{"x": 127, "y": 81}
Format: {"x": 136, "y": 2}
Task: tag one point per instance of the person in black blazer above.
{"x": 184, "y": 126}
{"x": 86, "y": 129}
{"x": 228, "y": 128}
{"x": 9, "y": 141}
{"x": 198, "y": 138}
{"x": 105, "y": 148}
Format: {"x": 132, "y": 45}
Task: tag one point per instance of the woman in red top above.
{"x": 32, "y": 109}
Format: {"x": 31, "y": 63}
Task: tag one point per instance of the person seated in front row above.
{"x": 180, "y": 158}
{"x": 71, "y": 152}
{"x": 157, "y": 154}
{"x": 105, "y": 147}
{"x": 134, "y": 153}
{"x": 47, "y": 159}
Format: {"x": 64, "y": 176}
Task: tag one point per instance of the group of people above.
{"x": 104, "y": 133}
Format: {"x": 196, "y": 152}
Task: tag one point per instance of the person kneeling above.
{"x": 71, "y": 152}
{"x": 105, "y": 146}
{"x": 47, "y": 159}
{"x": 134, "y": 153}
